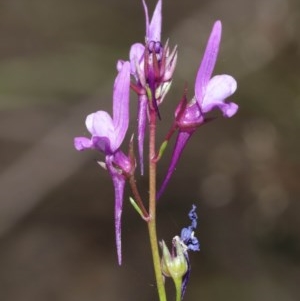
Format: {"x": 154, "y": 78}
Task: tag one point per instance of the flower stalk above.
{"x": 178, "y": 284}
{"x": 152, "y": 209}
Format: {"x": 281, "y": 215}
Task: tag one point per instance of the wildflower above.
{"x": 152, "y": 67}
{"x": 192, "y": 244}
{"x": 210, "y": 93}
{"x": 187, "y": 234}
{"x": 107, "y": 136}
{"x": 177, "y": 264}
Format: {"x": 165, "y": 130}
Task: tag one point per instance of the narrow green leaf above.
{"x": 162, "y": 149}
{"x": 136, "y": 207}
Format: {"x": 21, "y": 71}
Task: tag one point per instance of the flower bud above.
{"x": 174, "y": 265}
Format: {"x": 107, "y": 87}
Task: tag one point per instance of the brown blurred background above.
{"x": 57, "y": 64}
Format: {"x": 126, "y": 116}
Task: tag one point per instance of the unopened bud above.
{"x": 174, "y": 265}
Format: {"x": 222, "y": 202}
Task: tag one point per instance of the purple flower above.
{"x": 137, "y": 61}
{"x": 152, "y": 67}
{"x": 192, "y": 244}
{"x": 187, "y": 234}
{"x": 177, "y": 264}
{"x": 107, "y": 136}
{"x": 210, "y": 93}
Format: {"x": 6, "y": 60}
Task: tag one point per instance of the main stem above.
{"x": 152, "y": 209}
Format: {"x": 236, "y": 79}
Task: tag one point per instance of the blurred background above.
{"x": 57, "y": 64}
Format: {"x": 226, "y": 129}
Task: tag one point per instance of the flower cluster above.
{"x": 149, "y": 73}
{"x": 152, "y": 66}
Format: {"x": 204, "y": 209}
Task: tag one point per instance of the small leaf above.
{"x": 136, "y": 207}
{"x": 162, "y": 149}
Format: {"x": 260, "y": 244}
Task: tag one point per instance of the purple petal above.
{"x": 153, "y": 30}
{"x": 187, "y": 236}
{"x": 182, "y": 139}
{"x": 146, "y": 17}
{"x": 229, "y": 109}
{"x": 100, "y": 124}
{"x": 208, "y": 62}
{"x": 119, "y": 65}
{"x": 154, "y": 33}
{"x": 187, "y": 233}
{"x": 102, "y": 144}
{"x": 121, "y": 105}
{"x": 142, "y": 121}
{"x": 122, "y": 161}
{"x": 218, "y": 89}
{"x": 136, "y": 55}
{"x": 193, "y": 217}
{"x": 191, "y": 116}
{"x": 99, "y": 143}
{"x": 82, "y": 143}
{"x": 119, "y": 184}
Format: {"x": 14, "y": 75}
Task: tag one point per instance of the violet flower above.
{"x": 210, "y": 93}
{"x": 188, "y": 238}
{"x": 137, "y": 60}
{"x": 107, "y": 136}
{"x": 177, "y": 264}
{"x": 187, "y": 234}
{"x": 152, "y": 67}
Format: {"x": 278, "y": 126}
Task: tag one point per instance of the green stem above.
{"x": 152, "y": 209}
{"x": 178, "y": 282}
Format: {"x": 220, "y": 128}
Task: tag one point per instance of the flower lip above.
{"x": 218, "y": 89}
{"x": 101, "y": 127}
